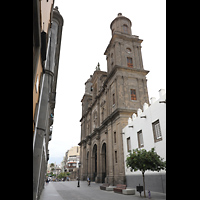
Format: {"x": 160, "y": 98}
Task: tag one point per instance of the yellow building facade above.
{"x": 42, "y": 14}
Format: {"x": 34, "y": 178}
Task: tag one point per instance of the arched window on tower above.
{"x": 125, "y": 28}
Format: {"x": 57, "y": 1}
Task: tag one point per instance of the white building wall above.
{"x": 154, "y": 112}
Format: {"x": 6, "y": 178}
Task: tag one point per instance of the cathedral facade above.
{"x": 110, "y": 98}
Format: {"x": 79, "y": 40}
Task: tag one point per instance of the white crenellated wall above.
{"x": 152, "y": 113}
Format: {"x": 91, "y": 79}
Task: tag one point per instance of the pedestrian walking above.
{"x": 47, "y": 180}
{"x": 88, "y": 180}
{"x": 149, "y": 194}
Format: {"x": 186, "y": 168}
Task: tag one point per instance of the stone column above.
{"x": 110, "y": 163}
{"x": 118, "y": 55}
{"x": 140, "y": 57}
{"x": 136, "y": 56}
{"x": 81, "y": 160}
{"x": 98, "y": 158}
{"x": 89, "y": 163}
{"x": 84, "y": 164}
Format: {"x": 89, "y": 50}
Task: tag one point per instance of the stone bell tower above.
{"x": 110, "y": 98}
{"x": 124, "y": 57}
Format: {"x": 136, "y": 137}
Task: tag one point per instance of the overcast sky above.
{"x": 85, "y": 36}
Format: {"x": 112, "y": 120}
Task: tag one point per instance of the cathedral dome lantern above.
{"x": 121, "y": 24}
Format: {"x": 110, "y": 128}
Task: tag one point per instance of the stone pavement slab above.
{"x": 69, "y": 191}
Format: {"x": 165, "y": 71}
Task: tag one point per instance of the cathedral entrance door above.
{"x": 94, "y": 162}
{"x": 103, "y": 161}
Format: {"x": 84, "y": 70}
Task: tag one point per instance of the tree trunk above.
{"x": 144, "y": 184}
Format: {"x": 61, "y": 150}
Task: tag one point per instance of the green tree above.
{"x": 145, "y": 160}
{"x": 62, "y": 175}
{"x": 52, "y": 165}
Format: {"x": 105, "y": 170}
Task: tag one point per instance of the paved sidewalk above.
{"x": 69, "y": 191}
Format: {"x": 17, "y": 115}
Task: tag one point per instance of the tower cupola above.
{"x": 121, "y": 24}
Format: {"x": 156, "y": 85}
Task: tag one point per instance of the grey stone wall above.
{"x": 156, "y": 183}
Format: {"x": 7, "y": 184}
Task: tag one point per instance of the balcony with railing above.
{"x": 71, "y": 165}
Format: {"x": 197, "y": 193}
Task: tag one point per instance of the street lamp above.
{"x": 79, "y": 165}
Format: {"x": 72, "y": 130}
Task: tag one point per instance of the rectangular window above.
{"x": 115, "y": 156}
{"x": 133, "y": 94}
{"x": 114, "y": 99}
{"x": 129, "y": 62}
{"x": 157, "y": 131}
{"x": 115, "y": 139}
{"x": 128, "y": 144}
{"x": 140, "y": 139}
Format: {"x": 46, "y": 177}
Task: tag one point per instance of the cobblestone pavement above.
{"x": 69, "y": 191}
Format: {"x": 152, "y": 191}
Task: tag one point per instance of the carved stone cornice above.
{"x": 84, "y": 144}
{"x": 88, "y": 139}
{"x": 98, "y": 136}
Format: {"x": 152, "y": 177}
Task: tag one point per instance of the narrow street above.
{"x": 69, "y": 191}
